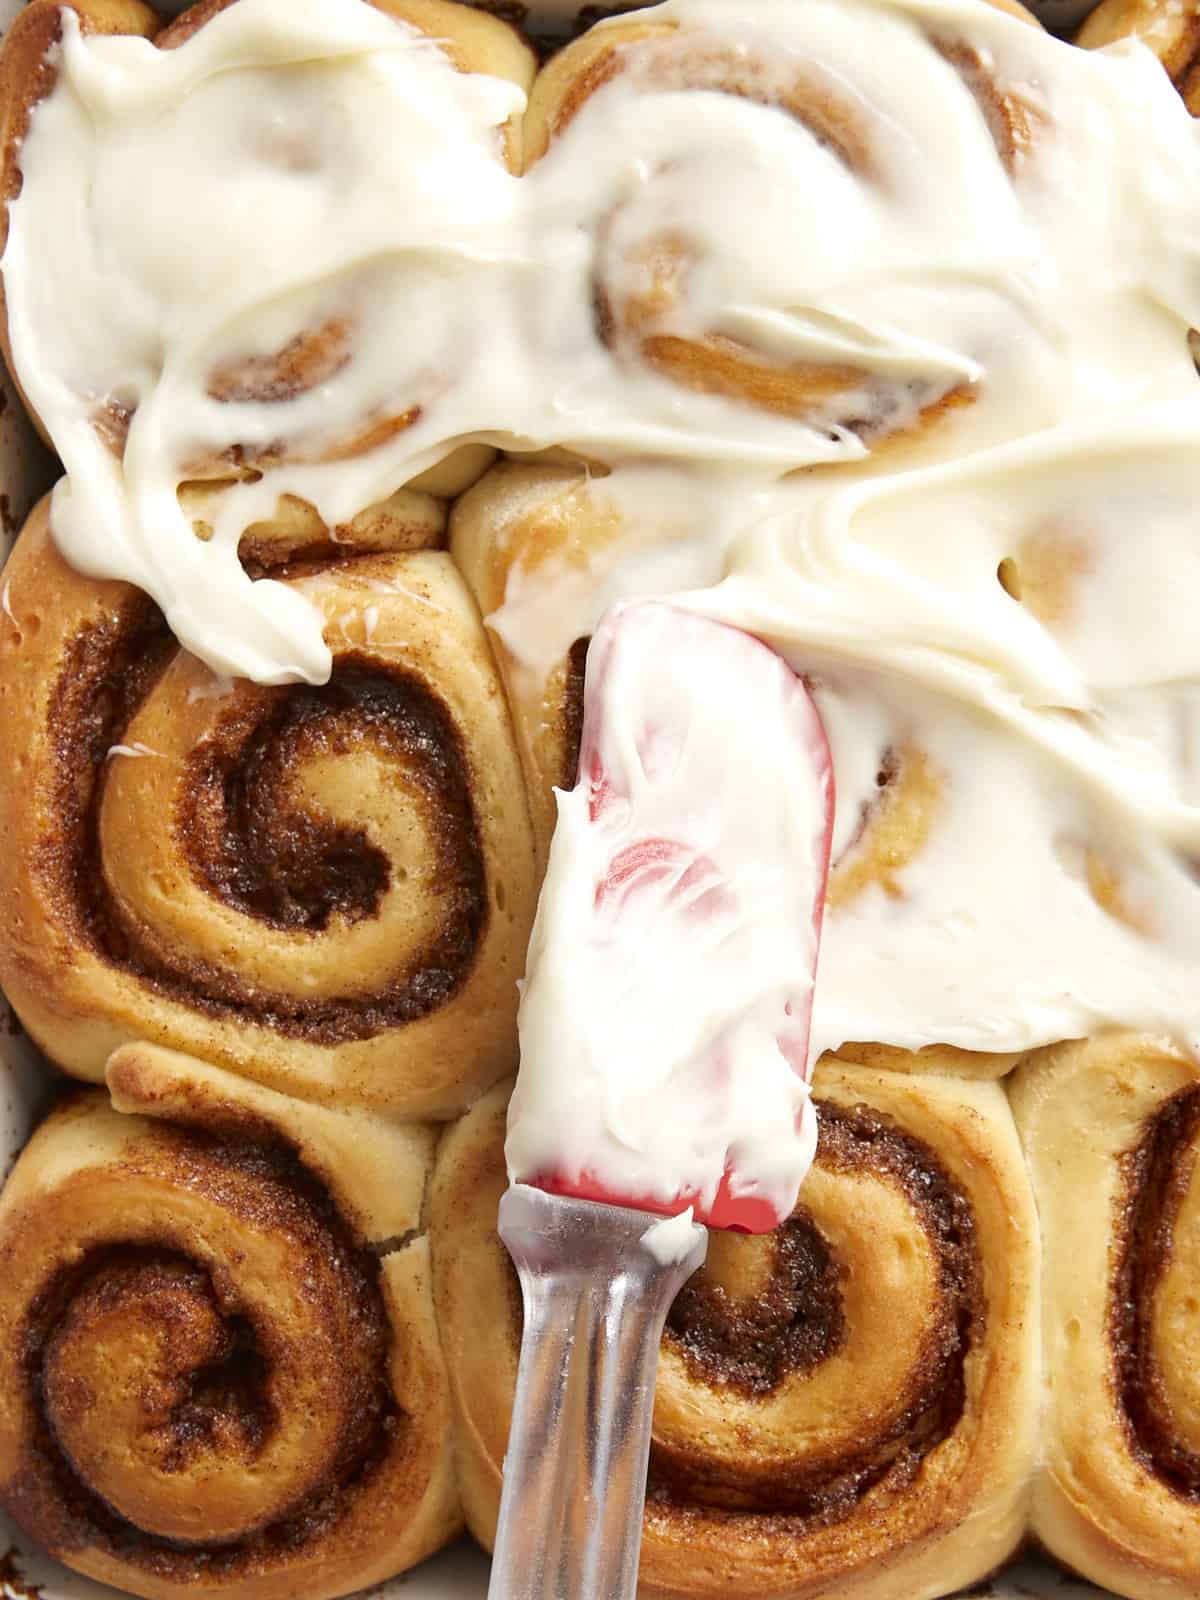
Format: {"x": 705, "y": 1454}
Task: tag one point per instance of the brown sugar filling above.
{"x": 787, "y": 1328}
{"x": 250, "y": 844}
{"x": 222, "y": 1403}
{"x": 891, "y": 830}
{"x": 572, "y": 711}
{"x": 812, "y": 1493}
{"x": 1187, "y": 80}
{"x": 311, "y": 358}
{"x": 798, "y": 1322}
{"x": 1156, "y": 1176}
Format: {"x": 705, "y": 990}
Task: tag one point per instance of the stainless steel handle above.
{"x": 575, "y": 1474}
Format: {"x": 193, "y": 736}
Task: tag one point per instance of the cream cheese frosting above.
{"x": 665, "y": 1019}
{"x": 187, "y": 213}
{"x": 1011, "y": 594}
{"x": 1056, "y": 892}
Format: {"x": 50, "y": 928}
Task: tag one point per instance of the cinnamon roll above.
{"x": 329, "y": 889}
{"x": 218, "y": 1363}
{"x": 849, "y": 1404}
{"x": 653, "y": 258}
{"x": 1111, "y": 1128}
{"x": 257, "y": 379}
{"x": 1171, "y": 31}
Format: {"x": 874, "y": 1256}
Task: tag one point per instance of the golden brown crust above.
{"x": 1171, "y": 30}
{"x": 1111, "y": 1128}
{"x": 377, "y": 1181}
{"x": 942, "y": 1060}
{"x": 845, "y": 1406}
{"x": 212, "y": 1376}
{"x": 329, "y": 889}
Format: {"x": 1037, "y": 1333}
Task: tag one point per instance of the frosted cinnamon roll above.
{"x": 327, "y": 888}
{"x": 848, "y": 1404}
{"x": 258, "y": 329}
{"x": 736, "y": 241}
{"x": 948, "y": 672}
{"x": 218, "y": 1362}
{"x": 658, "y": 273}
{"x": 1171, "y": 31}
{"x": 258, "y": 378}
{"x": 1111, "y": 1128}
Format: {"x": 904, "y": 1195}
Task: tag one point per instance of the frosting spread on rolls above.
{"x": 216, "y": 260}
{"x": 931, "y": 200}
{"x": 1042, "y": 753}
{"x": 216, "y": 266}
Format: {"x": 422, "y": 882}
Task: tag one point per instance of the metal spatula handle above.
{"x": 575, "y": 1474}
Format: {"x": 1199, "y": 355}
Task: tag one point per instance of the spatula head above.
{"x": 665, "y": 1020}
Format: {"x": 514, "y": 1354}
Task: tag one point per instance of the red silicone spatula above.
{"x": 664, "y": 1043}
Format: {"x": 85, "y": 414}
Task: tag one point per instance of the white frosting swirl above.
{"x": 1062, "y": 730}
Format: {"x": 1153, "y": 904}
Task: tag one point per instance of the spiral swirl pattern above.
{"x": 647, "y": 270}
{"x": 210, "y": 1374}
{"x": 326, "y": 888}
{"x": 831, "y": 1399}
{"x": 1112, "y": 1129}
{"x": 218, "y": 1360}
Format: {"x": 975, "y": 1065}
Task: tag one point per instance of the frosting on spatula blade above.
{"x": 665, "y": 1015}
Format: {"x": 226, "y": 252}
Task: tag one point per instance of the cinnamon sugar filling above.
{"x": 572, "y": 711}
{"x": 1156, "y": 1175}
{"x": 218, "y": 1404}
{"x": 249, "y": 844}
{"x": 794, "y": 1322}
{"x": 815, "y": 1493}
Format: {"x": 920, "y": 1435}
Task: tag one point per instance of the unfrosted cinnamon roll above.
{"x": 652, "y": 263}
{"x": 1111, "y": 1128}
{"x": 219, "y": 1369}
{"x": 326, "y": 888}
{"x": 1171, "y": 30}
{"x": 848, "y": 1405}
